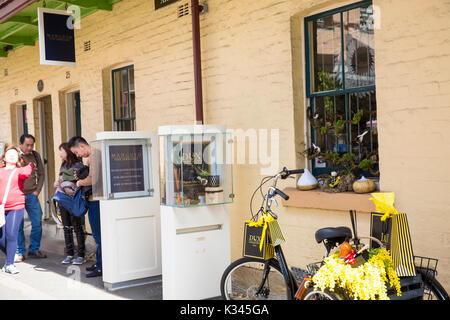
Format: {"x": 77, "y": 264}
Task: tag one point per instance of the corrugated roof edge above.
{"x": 9, "y": 8}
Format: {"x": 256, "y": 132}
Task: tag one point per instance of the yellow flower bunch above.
{"x": 366, "y": 282}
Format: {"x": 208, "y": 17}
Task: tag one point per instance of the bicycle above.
{"x": 257, "y": 279}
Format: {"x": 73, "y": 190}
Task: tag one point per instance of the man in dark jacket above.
{"x": 81, "y": 148}
{"x": 32, "y": 187}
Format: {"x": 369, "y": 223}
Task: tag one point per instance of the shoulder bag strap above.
{"x": 8, "y": 186}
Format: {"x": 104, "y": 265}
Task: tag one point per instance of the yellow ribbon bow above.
{"x": 265, "y": 219}
{"x": 384, "y": 203}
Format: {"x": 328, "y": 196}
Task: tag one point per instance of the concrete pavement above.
{"x": 49, "y": 279}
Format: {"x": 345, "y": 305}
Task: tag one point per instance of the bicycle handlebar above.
{"x": 273, "y": 190}
{"x": 282, "y": 194}
{"x": 285, "y": 173}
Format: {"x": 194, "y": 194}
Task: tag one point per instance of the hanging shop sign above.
{"x": 162, "y": 3}
{"x": 56, "y": 37}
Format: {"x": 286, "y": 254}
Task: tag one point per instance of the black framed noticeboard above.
{"x": 56, "y": 37}
{"x": 126, "y": 168}
{"x": 162, "y": 3}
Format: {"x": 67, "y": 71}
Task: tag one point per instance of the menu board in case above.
{"x": 121, "y": 168}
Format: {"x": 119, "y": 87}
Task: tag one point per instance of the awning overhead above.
{"x": 19, "y": 21}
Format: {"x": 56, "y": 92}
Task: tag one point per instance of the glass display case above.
{"x": 196, "y": 168}
{"x": 121, "y": 168}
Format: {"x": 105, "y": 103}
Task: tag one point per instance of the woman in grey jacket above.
{"x": 67, "y": 184}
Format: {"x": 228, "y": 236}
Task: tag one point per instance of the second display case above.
{"x": 196, "y": 165}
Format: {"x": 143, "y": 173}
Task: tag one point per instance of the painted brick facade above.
{"x": 252, "y": 54}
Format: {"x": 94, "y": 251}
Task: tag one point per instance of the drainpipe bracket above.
{"x": 203, "y": 8}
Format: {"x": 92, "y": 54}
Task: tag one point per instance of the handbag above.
{"x": 5, "y": 196}
{"x": 401, "y": 246}
{"x": 256, "y": 243}
{"x": 398, "y": 234}
{"x": 380, "y": 230}
{"x": 78, "y": 205}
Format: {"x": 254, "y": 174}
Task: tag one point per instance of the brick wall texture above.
{"x": 252, "y": 56}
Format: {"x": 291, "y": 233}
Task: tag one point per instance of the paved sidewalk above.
{"x": 49, "y": 279}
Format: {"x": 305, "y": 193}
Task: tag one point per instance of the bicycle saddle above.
{"x": 339, "y": 234}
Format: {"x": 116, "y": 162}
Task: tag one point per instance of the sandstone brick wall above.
{"x": 413, "y": 97}
{"x": 252, "y": 54}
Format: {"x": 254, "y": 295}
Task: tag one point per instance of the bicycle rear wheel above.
{"x": 254, "y": 279}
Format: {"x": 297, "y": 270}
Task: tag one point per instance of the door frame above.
{"x": 43, "y": 118}
{"x": 77, "y": 130}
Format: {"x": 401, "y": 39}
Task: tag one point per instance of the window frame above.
{"x": 344, "y": 91}
{"x": 117, "y": 121}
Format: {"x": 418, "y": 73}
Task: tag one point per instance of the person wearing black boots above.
{"x": 72, "y": 224}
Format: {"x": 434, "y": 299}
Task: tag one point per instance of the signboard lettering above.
{"x": 126, "y": 168}
{"x": 162, "y": 3}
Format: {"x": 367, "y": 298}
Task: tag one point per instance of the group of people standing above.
{"x": 22, "y": 177}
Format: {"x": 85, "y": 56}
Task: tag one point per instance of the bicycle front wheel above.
{"x": 253, "y": 279}
{"x": 317, "y": 294}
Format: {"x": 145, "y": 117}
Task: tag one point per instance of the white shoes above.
{"x": 11, "y": 269}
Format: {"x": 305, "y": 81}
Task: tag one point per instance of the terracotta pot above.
{"x": 364, "y": 186}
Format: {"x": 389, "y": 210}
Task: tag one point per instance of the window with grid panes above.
{"x": 124, "y": 110}
{"x": 340, "y": 84}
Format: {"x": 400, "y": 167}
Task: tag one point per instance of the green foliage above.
{"x": 365, "y": 164}
{"x": 326, "y": 81}
{"x": 357, "y": 116}
{"x": 333, "y": 156}
{"x": 334, "y": 123}
{"x": 204, "y": 173}
{"x": 339, "y": 125}
{"x": 349, "y": 157}
{"x": 347, "y": 162}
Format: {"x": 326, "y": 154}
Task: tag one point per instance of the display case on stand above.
{"x": 124, "y": 170}
{"x": 196, "y": 191}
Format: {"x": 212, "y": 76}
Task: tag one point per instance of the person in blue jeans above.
{"x": 81, "y": 148}
{"x": 31, "y": 188}
{"x": 94, "y": 221}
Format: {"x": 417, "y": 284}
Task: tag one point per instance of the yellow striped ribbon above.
{"x": 265, "y": 219}
{"x": 401, "y": 247}
{"x": 384, "y": 203}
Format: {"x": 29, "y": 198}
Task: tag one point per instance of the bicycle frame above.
{"x": 291, "y": 284}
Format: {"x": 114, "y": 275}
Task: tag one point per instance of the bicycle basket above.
{"x": 426, "y": 264}
{"x": 429, "y": 267}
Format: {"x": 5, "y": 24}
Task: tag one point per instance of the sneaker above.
{"x": 91, "y": 268}
{"x": 79, "y": 260}
{"x": 11, "y": 269}
{"x": 67, "y": 260}
{"x": 19, "y": 258}
{"x": 95, "y": 273}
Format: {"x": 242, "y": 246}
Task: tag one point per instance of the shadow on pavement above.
{"x": 54, "y": 279}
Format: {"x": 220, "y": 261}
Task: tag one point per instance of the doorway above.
{"x": 22, "y": 122}
{"x": 19, "y": 121}
{"x": 73, "y": 114}
{"x": 45, "y": 146}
